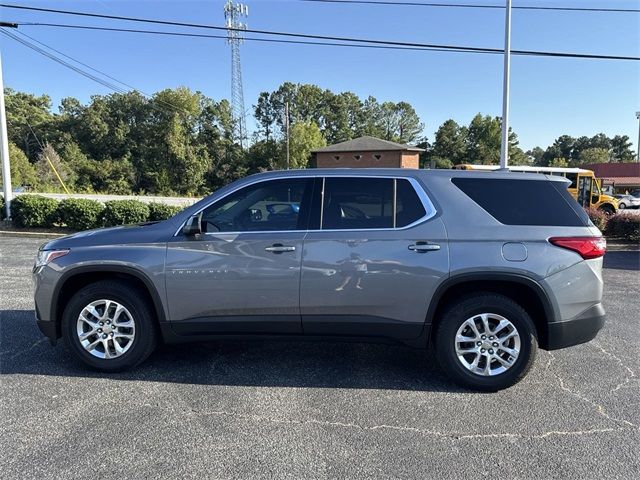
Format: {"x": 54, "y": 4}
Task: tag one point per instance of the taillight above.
{"x": 586, "y": 247}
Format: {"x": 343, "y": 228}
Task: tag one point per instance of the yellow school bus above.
{"x": 585, "y": 188}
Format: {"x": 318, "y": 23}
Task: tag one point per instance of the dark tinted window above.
{"x": 265, "y": 206}
{"x": 409, "y": 208}
{"x": 523, "y": 202}
{"x": 356, "y": 203}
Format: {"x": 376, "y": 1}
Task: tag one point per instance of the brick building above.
{"x": 624, "y": 177}
{"x": 364, "y": 152}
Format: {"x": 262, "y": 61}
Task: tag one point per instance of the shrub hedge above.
{"x": 124, "y": 212}
{"x": 80, "y": 213}
{"x": 34, "y": 211}
{"x": 162, "y": 211}
{"x": 83, "y": 214}
{"x": 624, "y": 225}
{"x": 598, "y": 217}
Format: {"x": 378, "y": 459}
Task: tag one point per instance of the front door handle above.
{"x": 423, "y": 247}
{"x": 279, "y": 248}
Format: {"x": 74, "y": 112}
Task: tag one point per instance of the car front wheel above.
{"x": 622, "y": 206}
{"x": 485, "y": 341}
{"x": 109, "y": 326}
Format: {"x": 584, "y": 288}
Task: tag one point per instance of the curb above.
{"x": 622, "y": 247}
{"x": 13, "y": 233}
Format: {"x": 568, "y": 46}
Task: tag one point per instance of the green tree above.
{"x": 52, "y": 170}
{"x": 562, "y": 147}
{"x": 400, "y": 122}
{"x": 23, "y": 173}
{"x": 370, "y": 121}
{"x": 264, "y": 155}
{"x": 304, "y": 137}
{"x": 484, "y": 137}
{"x": 174, "y": 162}
{"x": 265, "y": 114}
{"x": 27, "y": 113}
{"x": 593, "y": 155}
{"x": 559, "y": 162}
{"x": 483, "y": 140}
{"x": 621, "y": 149}
{"x": 536, "y": 155}
{"x": 450, "y": 143}
{"x": 342, "y": 116}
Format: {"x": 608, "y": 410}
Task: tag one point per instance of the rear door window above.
{"x": 524, "y": 202}
{"x": 357, "y": 203}
{"x": 352, "y": 203}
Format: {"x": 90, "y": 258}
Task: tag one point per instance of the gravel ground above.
{"x": 314, "y": 410}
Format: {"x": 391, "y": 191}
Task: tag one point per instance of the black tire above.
{"x": 622, "y": 206}
{"x": 134, "y": 300}
{"x": 607, "y": 209}
{"x": 466, "y": 307}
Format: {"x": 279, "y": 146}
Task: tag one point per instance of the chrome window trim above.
{"x": 395, "y": 201}
{"x": 429, "y": 208}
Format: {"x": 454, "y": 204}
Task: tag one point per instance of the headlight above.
{"x": 46, "y": 256}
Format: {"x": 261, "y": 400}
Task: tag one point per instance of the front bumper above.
{"x": 578, "y": 330}
{"x": 49, "y": 330}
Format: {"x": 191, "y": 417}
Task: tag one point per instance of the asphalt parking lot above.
{"x": 314, "y": 410}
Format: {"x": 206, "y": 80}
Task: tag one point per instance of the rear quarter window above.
{"x": 524, "y": 202}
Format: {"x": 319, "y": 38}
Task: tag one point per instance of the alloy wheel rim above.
{"x": 487, "y": 344}
{"x": 105, "y": 329}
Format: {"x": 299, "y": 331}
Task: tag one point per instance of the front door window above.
{"x": 263, "y": 207}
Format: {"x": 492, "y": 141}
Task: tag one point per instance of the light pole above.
{"x": 286, "y": 124}
{"x": 638, "y": 144}
{"x": 4, "y": 141}
{"x": 504, "y": 146}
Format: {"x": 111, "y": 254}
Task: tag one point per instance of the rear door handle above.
{"x": 279, "y": 248}
{"x": 423, "y": 247}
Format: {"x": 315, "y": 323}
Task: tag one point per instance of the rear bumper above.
{"x": 578, "y": 330}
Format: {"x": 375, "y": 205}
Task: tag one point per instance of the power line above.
{"x": 326, "y": 37}
{"x": 254, "y": 39}
{"x": 172, "y": 108}
{"x": 472, "y": 5}
{"x": 131, "y": 87}
{"x": 350, "y": 43}
{"x": 62, "y": 62}
{"x": 79, "y": 62}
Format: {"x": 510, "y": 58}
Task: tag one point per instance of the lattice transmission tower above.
{"x": 233, "y": 13}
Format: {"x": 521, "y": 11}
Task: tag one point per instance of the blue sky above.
{"x": 550, "y": 96}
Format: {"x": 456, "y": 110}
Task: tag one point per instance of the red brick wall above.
{"x": 410, "y": 160}
{"x": 382, "y": 159}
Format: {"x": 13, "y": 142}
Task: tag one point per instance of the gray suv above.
{"x": 482, "y": 266}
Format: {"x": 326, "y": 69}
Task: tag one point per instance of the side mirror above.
{"x": 192, "y": 226}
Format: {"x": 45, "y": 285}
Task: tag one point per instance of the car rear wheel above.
{"x": 622, "y": 206}
{"x": 109, "y": 326}
{"x": 485, "y": 341}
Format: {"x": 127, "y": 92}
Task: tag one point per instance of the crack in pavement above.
{"x": 628, "y": 378}
{"x": 21, "y": 352}
{"x": 598, "y": 407}
{"x": 431, "y": 433}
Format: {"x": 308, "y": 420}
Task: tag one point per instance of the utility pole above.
{"x": 638, "y": 144}
{"x": 286, "y": 126}
{"x": 4, "y": 141}
{"x": 504, "y": 146}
